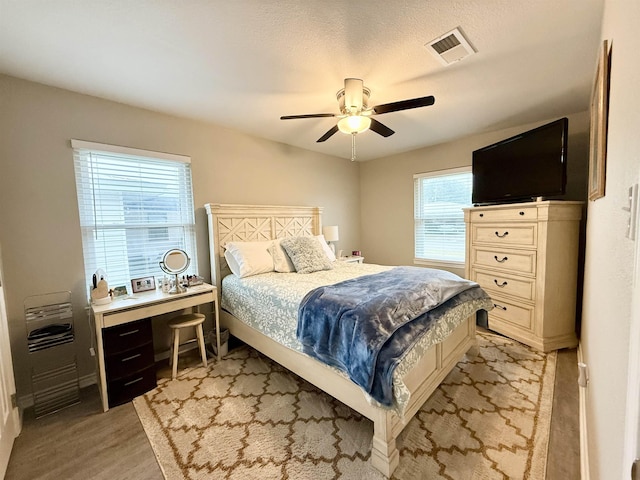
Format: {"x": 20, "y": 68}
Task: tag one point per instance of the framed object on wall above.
{"x": 598, "y": 129}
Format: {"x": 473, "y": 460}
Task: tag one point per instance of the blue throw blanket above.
{"x": 348, "y": 324}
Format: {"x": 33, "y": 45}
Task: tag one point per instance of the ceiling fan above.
{"x": 355, "y": 112}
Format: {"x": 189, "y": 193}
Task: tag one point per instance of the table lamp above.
{"x": 331, "y": 235}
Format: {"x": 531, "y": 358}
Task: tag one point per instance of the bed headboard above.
{"x": 252, "y": 223}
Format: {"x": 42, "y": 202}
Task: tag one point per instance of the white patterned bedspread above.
{"x": 269, "y": 303}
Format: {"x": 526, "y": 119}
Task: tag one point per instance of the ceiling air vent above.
{"x": 450, "y": 47}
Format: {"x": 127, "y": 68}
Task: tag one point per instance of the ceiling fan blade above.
{"x": 308, "y": 115}
{"x": 404, "y": 105}
{"x": 326, "y": 136}
{"x": 380, "y": 128}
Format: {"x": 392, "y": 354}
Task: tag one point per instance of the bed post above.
{"x": 213, "y": 247}
{"x": 384, "y": 453}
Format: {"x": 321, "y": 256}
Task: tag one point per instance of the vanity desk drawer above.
{"x": 127, "y": 388}
{"x": 123, "y": 363}
{"x": 127, "y": 336}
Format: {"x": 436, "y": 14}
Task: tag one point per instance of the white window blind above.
{"x": 439, "y": 198}
{"x": 134, "y": 206}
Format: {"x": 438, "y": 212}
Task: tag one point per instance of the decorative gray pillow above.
{"x": 306, "y": 254}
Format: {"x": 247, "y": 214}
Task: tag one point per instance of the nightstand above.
{"x": 351, "y": 259}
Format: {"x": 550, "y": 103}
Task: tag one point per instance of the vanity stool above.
{"x": 183, "y": 321}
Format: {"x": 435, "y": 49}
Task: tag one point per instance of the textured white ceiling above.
{"x": 244, "y": 63}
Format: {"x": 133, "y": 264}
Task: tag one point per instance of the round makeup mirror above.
{"x": 174, "y": 262}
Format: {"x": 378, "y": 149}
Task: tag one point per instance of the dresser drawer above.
{"x": 519, "y": 234}
{"x": 124, "y": 363}
{"x": 518, "y": 315}
{"x": 126, "y": 336}
{"x": 504, "y": 214}
{"x": 516, "y": 261}
{"x": 504, "y": 284}
{"x": 124, "y": 389}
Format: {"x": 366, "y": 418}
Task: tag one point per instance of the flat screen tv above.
{"x": 521, "y": 168}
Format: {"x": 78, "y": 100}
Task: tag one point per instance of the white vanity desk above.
{"x": 141, "y": 306}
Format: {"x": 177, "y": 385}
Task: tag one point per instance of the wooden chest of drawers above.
{"x": 526, "y": 257}
{"x": 129, "y": 361}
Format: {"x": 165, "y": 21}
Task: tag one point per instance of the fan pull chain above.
{"x": 353, "y": 146}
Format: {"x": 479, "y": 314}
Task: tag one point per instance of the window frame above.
{"x": 183, "y": 219}
{"x": 416, "y": 181}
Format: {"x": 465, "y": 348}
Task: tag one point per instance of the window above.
{"x": 439, "y": 198}
{"x": 134, "y": 206}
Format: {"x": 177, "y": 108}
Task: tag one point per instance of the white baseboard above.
{"x": 584, "y": 444}
{"x": 87, "y": 380}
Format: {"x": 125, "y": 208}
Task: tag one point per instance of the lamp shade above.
{"x": 331, "y": 233}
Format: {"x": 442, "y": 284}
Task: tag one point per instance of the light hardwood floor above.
{"x": 81, "y": 442}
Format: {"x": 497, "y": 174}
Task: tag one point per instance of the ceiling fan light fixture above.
{"x": 355, "y": 113}
{"x": 354, "y": 124}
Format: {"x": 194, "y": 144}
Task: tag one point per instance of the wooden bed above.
{"x": 257, "y": 223}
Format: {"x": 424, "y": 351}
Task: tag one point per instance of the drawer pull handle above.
{"x": 482, "y": 214}
{"x": 503, "y": 235}
{"x": 133, "y": 381}
{"x": 131, "y": 357}
{"x": 500, "y": 307}
{"x": 504, "y": 259}
{"x": 130, "y": 333}
{"x": 521, "y": 213}
{"x": 501, "y": 285}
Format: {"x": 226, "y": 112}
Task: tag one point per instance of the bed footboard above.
{"x": 422, "y": 381}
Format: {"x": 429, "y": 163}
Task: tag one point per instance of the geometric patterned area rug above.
{"x": 249, "y": 418}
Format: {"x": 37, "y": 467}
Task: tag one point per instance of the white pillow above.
{"x": 281, "y": 261}
{"x": 233, "y": 265}
{"x": 326, "y": 248}
{"x": 249, "y": 258}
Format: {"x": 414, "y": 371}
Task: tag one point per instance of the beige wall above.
{"x": 39, "y": 224}
{"x": 386, "y": 187}
{"x": 610, "y": 340}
